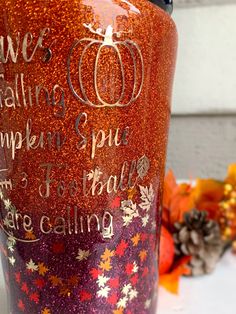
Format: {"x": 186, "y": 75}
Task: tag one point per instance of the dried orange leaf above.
{"x": 171, "y": 281}
{"x": 182, "y": 202}
{"x": 169, "y": 186}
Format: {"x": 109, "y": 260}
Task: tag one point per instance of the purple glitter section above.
{"x": 64, "y": 265}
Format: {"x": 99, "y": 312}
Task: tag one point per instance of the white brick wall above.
{"x": 202, "y": 146}
{"x": 206, "y": 67}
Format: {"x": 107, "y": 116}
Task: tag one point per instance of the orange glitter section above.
{"x": 147, "y": 118}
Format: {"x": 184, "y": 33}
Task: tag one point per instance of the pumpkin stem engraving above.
{"x": 109, "y": 33}
{"x": 108, "y": 36}
{"x": 92, "y": 30}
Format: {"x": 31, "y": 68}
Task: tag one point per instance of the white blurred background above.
{"x": 203, "y": 129}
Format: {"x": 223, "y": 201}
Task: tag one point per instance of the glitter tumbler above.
{"x": 85, "y": 92}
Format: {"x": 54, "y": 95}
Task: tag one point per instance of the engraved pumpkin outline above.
{"x": 106, "y": 42}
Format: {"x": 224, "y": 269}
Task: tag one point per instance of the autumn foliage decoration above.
{"x": 198, "y": 222}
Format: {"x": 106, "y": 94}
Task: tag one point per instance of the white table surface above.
{"x": 212, "y": 294}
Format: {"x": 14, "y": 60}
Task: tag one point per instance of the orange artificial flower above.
{"x": 207, "y": 194}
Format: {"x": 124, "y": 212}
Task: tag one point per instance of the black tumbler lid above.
{"x": 166, "y": 5}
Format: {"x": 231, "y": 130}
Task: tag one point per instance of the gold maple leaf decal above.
{"x": 65, "y": 291}
{"x": 107, "y": 254}
{"x": 106, "y": 265}
{"x": 131, "y": 193}
{"x": 143, "y": 255}
{"x": 42, "y": 269}
{"x": 73, "y": 280}
{"x": 56, "y": 281}
{"x": 46, "y": 311}
{"x": 136, "y": 239}
{"x": 120, "y": 310}
{"x": 29, "y": 235}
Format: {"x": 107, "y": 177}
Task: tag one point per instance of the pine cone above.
{"x": 199, "y": 237}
